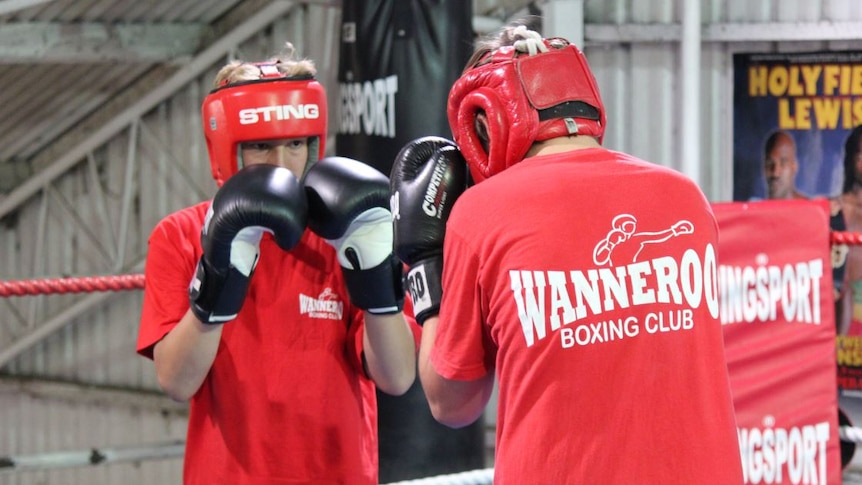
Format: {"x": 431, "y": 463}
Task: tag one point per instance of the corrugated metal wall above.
{"x": 95, "y": 221}
{"x": 163, "y": 158}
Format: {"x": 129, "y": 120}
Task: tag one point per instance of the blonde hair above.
{"x": 287, "y": 64}
{"x": 515, "y": 34}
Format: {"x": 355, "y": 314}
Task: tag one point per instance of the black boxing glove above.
{"x": 257, "y": 199}
{"x": 428, "y": 175}
{"x": 348, "y": 206}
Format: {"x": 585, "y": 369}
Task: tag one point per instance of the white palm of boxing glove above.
{"x": 367, "y": 242}
{"x": 258, "y": 199}
{"x": 348, "y": 206}
{"x": 245, "y": 249}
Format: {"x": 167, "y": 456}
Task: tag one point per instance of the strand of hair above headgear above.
{"x": 505, "y": 101}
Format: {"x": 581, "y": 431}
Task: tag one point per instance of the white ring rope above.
{"x": 850, "y": 434}
{"x": 472, "y": 477}
{"x": 103, "y": 456}
{"x": 175, "y": 449}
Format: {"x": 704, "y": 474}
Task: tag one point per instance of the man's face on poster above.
{"x": 779, "y": 168}
{"x": 857, "y": 157}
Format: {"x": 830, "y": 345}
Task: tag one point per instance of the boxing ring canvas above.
{"x": 777, "y": 313}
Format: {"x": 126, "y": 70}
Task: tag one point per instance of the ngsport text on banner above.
{"x": 777, "y": 313}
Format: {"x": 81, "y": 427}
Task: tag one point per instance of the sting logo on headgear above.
{"x": 526, "y": 98}
{"x": 271, "y": 108}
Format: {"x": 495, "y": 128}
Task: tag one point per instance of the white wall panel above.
{"x": 37, "y": 427}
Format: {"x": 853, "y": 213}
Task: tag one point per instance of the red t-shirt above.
{"x": 286, "y": 400}
{"x": 587, "y": 281}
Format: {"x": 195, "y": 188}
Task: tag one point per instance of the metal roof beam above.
{"x": 725, "y": 32}
{"x": 11, "y": 6}
{"x": 194, "y": 68}
{"x": 89, "y": 42}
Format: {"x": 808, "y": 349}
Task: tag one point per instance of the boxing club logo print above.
{"x": 624, "y": 230}
{"x": 572, "y": 303}
{"x": 326, "y": 306}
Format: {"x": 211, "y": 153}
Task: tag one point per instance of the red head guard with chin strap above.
{"x": 271, "y": 108}
{"x": 526, "y": 98}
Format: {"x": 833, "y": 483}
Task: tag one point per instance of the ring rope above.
{"x": 86, "y": 284}
{"x": 850, "y": 434}
{"x": 844, "y": 237}
{"x": 136, "y": 281}
{"x": 472, "y": 477}
{"x": 176, "y": 449}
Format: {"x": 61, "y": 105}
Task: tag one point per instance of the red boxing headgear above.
{"x": 526, "y": 98}
{"x": 271, "y": 108}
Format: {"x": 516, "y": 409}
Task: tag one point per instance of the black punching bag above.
{"x": 398, "y": 59}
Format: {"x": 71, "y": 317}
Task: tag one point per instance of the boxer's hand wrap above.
{"x": 258, "y": 199}
{"x": 428, "y": 175}
{"x": 348, "y": 206}
{"x": 426, "y": 288}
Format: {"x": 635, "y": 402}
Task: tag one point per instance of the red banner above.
{"x": 778, "y": 315}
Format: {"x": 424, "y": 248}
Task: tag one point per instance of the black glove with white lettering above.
{"x": 427, "y": 177}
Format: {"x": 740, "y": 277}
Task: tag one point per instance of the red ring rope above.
{"x": 86, "y": 284}
{"x": 851, "y": 238}
{"x": 136, "y": 281}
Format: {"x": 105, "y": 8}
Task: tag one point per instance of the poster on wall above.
{"x": 797, "y": 126}
{"x": 810, "y": 100}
